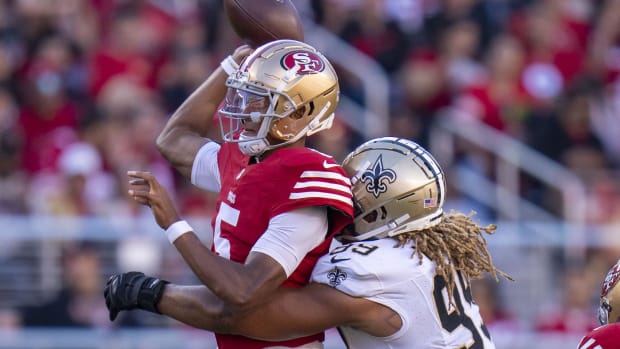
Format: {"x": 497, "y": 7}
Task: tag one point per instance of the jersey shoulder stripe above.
{"x": 326, "y": 185}
{"x": 589, "y": 345}
{"x": 322, "y": 185}
{"x": 321, "y": 195}
{"x": 326, "y": 175}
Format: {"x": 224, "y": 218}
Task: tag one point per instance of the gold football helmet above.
{"x": 283, "y": 91}
{"x": 609, "y": 309}
{"x": 397, "y": 186}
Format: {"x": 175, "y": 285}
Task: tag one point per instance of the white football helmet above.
{"x": 283, "y": 91}
{"x": 609, "y": 309}
{"x": 397, "y": 186}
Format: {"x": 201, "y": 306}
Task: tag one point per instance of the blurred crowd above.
{"x": 86, "y": 86}
{"x": 544, "y": 72}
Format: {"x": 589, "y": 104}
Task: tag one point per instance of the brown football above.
{"x": 260, "y": 21}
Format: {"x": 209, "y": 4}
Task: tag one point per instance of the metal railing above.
{"x": 512, "y": 158}
{"x": 21, "y": 233}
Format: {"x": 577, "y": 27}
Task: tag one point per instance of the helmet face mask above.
{"x": 603, "y": 311}
{"x": 397, "y": 187}
{"x": 248, "y": 113}
{"x": 299, "y": 89}
{"x": 609, "y": 308}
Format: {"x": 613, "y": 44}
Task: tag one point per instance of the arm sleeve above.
{"x": 291, "y": 235}
{"x": 205, "y": 172}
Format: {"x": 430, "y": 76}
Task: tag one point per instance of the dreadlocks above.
{"x": 455, "y": 244}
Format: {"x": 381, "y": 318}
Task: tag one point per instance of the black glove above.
{"x": 132, "y": 290}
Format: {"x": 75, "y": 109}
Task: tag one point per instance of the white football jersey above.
{"x": 378, "y": 271}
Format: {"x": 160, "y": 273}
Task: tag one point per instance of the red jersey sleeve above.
{"x": 603, "y": 337}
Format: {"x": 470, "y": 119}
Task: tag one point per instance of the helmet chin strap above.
{"x": 396, "y": 226}
{"x": 383, "y": 230}
{"x": 253, "y": 147}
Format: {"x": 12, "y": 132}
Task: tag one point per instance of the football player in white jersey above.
{"x": 399, "y": 279}
{"x": 607, "y": 336}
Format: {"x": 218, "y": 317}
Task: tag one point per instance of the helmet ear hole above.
{"x": 288, "y": 127}
{"x": 371, "y": 217}
{"x": 374, "y": 215}
{"x": 311, "y": 108}
{"x": 383, "y": 213}
{"x": 298, "y": 114}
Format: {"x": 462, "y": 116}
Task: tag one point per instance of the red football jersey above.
{"x": 251, "y": 194}
{"x": 603, "y": 337}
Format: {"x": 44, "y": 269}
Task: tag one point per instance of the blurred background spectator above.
{"x": 574, "y": 311}
{"x": 78, "y": 303}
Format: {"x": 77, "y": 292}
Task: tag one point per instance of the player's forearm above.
{"x": 196, "y": 306}
{"x": 292, "y": 313}
{"x": 241, "y": 287}
{"x": 284, "y": 317}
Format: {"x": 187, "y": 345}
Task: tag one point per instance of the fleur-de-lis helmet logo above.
{"x": 377, "y": 176}
{"x": 336, "y": 276}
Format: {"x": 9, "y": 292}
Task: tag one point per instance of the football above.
{"x": 260, "y": 21}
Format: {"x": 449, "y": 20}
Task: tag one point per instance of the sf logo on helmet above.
{"x": 376, "y": 177}
{"x": 308, "y": 62}
{"x": 611, "y": 279}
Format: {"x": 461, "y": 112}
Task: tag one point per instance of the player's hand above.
{"x": 241, "y": 53}
{"x": 132, "y": 290}
{"x": 146, "y": 190}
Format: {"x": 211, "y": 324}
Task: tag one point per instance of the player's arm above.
{"x": 273, "y": 258}
{"x": 289, "y": 313}
{"x": 185, "y": 132}
{"x": 241, "y": 286}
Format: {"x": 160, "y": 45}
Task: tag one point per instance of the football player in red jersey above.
{"x": 609, "y": 309}
{"x": 603, "y": 337}
{"x": 403, "y": 270}
{"x": 280, "y": 203}
{"x": 607, "y": 336}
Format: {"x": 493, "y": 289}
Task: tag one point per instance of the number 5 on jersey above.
{"x": 229, "y": 215}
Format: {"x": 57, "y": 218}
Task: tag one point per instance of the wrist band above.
{"x": 229, "y": 65}
{"x": 176, "y": 229}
